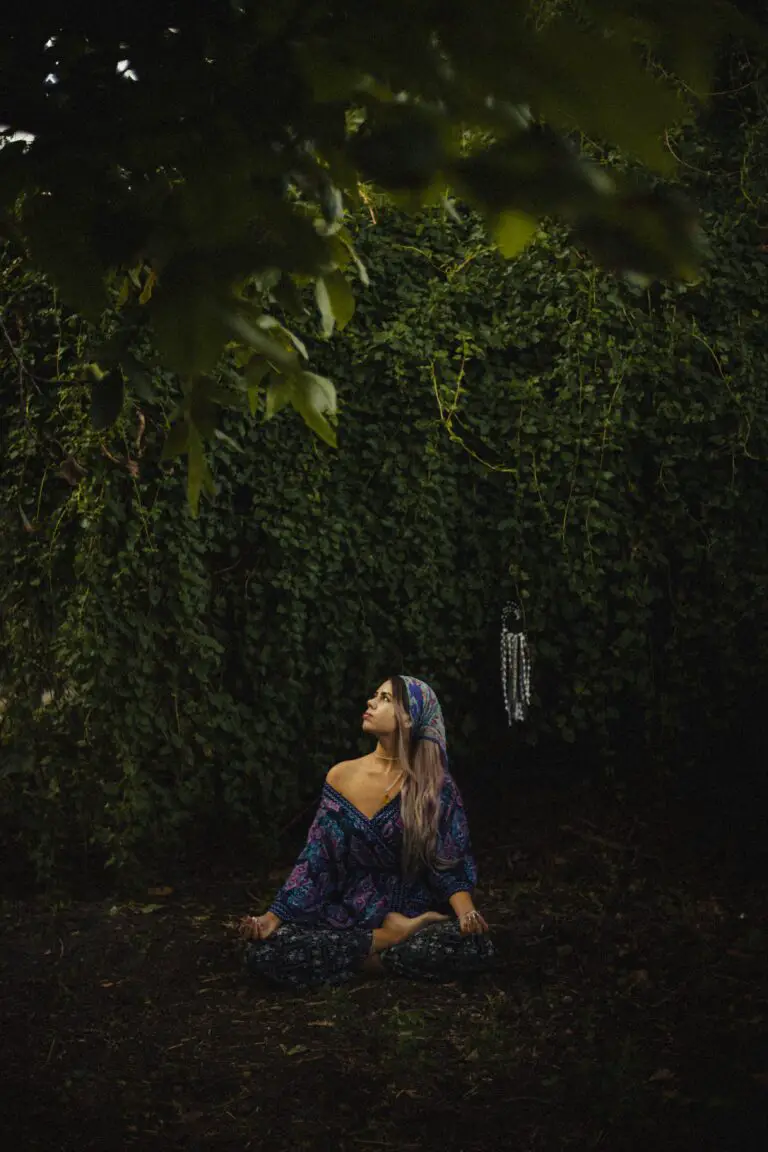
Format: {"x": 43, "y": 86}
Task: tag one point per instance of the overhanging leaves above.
{"x": 256, "y": 371}
{"x": 212, "y": 186}
{"x": 189, "y": 325}
{"x": 199, "y": 475}
{"x": 57, "y": 231}
{"x": 335, "y": 300}
{"x": 273, "y": 350}
{"x": 279, "y": 395}
{"x": 314, "y": 397}
{"x": 177, "y": 441}
{"x": 401, "y": 147}
{"x": 512, "y": 231}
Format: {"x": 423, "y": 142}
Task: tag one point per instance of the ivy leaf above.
{"x": 314, "y": 397}
{"x": 107, "y": 395}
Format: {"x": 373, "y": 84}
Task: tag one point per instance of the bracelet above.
{"x": 467, "y": 915}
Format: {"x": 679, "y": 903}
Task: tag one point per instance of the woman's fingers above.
{"x": 250, "y": 928}
{"x": 476, "y": 924}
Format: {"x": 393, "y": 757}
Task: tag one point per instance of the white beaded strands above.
{"x": 515, "y": 663}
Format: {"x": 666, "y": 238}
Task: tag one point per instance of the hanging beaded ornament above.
{"x": 515, "y": 663}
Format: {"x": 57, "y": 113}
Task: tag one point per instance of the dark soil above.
{"x": 630, "y": 1010}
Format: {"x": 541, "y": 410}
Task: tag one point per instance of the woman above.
{"x": 387, "y": 864}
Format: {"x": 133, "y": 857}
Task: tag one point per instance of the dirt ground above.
{"x": 629, "y": 1010}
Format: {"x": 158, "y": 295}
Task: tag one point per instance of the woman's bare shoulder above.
{"x": 344, "y": 770}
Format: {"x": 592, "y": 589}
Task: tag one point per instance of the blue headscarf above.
{"x": 426, "y": 714}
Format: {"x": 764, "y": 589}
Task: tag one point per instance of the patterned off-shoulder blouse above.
{"x": 349, "y": 873}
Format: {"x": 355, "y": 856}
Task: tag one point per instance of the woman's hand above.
{"x": 472, "y": 922}
{"x": 259, "y": 927}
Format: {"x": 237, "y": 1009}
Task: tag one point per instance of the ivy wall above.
{"x": 531, "y": 428}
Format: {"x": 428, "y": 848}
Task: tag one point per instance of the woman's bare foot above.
{"x": 403, "y": 927}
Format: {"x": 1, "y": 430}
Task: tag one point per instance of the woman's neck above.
{"x": 385, "y": 754}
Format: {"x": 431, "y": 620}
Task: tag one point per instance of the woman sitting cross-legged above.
{"x": 384, "y": 884}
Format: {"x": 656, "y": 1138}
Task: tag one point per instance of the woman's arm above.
{"x": 310, "y": 884}
{"x": 453, "y": 845}
{"x": 312, "y": 881}
{"x": 461, "y": 902}
{"x": 456, "y": 884}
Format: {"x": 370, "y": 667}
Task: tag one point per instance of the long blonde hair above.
{"x": 423, "y": 777}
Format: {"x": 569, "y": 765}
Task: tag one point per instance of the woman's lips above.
{"x": 367, "y": 716}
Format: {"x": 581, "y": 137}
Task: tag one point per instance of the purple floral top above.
{"x": 348, "y": 874}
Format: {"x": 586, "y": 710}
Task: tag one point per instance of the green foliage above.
{"x": 532, "y": 429}
{"x": 189, "y": 166}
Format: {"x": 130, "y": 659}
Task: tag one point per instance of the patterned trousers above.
{"x": 310, "y": 957}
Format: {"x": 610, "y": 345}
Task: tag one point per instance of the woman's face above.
{"x": 379, "y": 717}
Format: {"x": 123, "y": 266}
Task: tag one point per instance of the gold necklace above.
{"x": 386, "y": 794}
{"x": 388, "y": 760}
